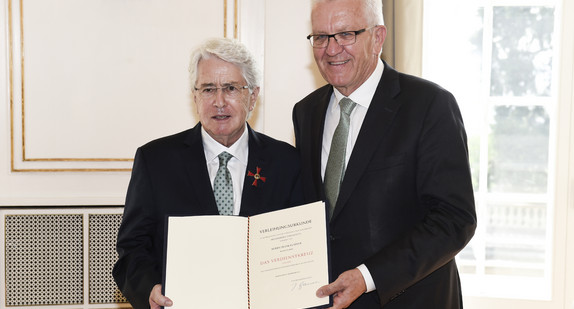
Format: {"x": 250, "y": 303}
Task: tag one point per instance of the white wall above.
{"x": 94, "y": 80}
{"x": 290, "y": 71}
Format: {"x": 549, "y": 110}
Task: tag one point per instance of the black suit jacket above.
{"x": 406, "y": 204}
{"x": 170, "y": 177}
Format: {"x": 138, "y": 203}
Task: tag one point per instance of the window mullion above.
{"x": 481, "y": 200}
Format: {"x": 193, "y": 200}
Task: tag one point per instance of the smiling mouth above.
{"x": 338, "y": 62}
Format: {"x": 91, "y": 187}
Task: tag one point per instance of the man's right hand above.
{"x": 156, "y": 300}
{"x": 345, "y": 290}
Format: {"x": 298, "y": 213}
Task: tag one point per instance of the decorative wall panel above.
{"x": 91, "y": 81}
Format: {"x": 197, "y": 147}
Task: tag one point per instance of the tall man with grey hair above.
{"x": 178, "y": 174}
{"x": 388, "y": 153}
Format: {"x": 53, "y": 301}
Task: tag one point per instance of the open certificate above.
{"x": 273, "y": 260}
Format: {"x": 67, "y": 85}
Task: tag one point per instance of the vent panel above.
{"x": 44, "y": 259}
{"x": 102, "y": 256}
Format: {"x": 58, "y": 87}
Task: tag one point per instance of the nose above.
{"x": 219, "y": 99}
{"x": 333, "y": 47}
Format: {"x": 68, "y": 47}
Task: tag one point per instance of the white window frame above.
{"x": 558, "y": 284}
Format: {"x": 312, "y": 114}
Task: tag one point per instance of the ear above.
{"x": 253, "y": 98}
{"x": 380, "y": 33}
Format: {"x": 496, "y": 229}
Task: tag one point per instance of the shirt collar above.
{"x": 365, "y": 93}
{"x": 239, "y": 149}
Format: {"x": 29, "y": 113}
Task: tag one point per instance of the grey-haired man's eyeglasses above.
{"x": 230, "y": 91}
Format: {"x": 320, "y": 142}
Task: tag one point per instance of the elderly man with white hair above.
{"x": 206, "y": 170}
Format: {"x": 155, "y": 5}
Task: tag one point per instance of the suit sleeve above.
{"x": 137, "y": 269}
{"x": 296, "y": 197}
{"x": 444, "y": 188}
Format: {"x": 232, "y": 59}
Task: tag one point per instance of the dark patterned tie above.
{"x": 223, "y": 186}
{"x": 335, "y": 169}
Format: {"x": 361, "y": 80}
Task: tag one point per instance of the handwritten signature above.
{"x": 302, "y": 284}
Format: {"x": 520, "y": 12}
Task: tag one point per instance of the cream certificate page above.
{"x": 206, "y": 262}
{"x": 289, "y": 257}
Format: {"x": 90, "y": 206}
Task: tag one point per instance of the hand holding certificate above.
{"x": 273, "y": 260}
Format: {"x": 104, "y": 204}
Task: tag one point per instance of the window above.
{"x": 499, "y": 58}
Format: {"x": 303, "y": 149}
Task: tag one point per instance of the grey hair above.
{"x": 373, "y": 10}
{"x": 228, "y": 50}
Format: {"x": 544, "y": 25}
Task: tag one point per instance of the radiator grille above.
{"x": 102, "y": 256}
{"x": 44, "y": 259}
{"x": 59, "y": 258}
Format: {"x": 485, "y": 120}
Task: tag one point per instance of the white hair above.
{"x": 372, "y": 10}
{"x": 231, "y": 51}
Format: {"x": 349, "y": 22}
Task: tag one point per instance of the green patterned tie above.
{"x": 335, "y": 169}
{"x": 223, "y": 186}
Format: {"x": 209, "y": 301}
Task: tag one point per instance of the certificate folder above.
{"x": 273, "y": 260}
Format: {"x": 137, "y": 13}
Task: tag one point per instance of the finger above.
{"x": 156, "y": 299}
{"x": 158, "y": 303}
{"x": 329, "y": 289}
{"x": 341, "y": 301}
{"x": 166, "y": 302}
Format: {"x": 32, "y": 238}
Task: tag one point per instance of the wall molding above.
{"x": 22, "y": 122}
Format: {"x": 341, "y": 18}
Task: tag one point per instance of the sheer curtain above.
{"x": 403, "y": 45}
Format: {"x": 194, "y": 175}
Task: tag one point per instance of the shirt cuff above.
{"x": 367, "y": 277}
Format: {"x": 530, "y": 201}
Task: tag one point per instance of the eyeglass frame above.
{"x": 329, "y": 36}
{"x": 208, "y": 95}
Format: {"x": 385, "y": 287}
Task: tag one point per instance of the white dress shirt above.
{"x": 363, "y": 97}
{"x": 236, "y": 165}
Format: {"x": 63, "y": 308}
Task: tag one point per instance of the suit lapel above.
{"x": 193, "y": 157}
{"x": 380, "y": 115}
{"x": 251, "y": 199}
{"x": 319, "y": 112}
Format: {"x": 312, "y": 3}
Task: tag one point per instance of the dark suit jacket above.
{"x": 170, "y": 177}
{"x": 406, "y": 204}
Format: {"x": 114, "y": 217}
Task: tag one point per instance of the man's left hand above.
{"x": 348, "y": 287}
